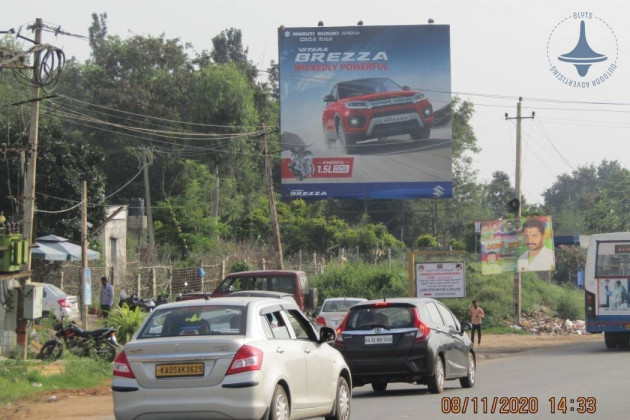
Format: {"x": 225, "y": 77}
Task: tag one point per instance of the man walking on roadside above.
{"x": 476, "y": 316}
{"x": 107, "y": 297}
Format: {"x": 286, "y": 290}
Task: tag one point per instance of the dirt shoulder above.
{"x": 97, "y": 404}
{"x": 501, "y": 345}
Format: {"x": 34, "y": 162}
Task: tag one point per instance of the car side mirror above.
{"x": 326, "y": 335}
{"x": 329, "y": 98}
{"x": 466, "y": 326}
{"x": 405, "y": 87}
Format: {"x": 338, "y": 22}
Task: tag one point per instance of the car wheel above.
{"x": 379, "y": 386}
{"x": 436, "y": 382}
{"x": 343, "y": 139}
{"x": 342, "y": 401}
{"x": 468, "y": 381}
{"x": 280, "y": 409}
{"x": 421, "y": 133}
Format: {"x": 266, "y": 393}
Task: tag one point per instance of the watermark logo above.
{"x": 582, "y": 51}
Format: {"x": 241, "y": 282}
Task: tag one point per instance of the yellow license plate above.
{"x": 180, "y": 369}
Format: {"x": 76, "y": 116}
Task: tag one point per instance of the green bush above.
{"x": 125, "y": 321}
{"x": 361, "y": 280}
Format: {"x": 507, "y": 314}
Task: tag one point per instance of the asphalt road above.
{"x": 524, "y": 382}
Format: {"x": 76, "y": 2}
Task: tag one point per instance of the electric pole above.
{"x": 273, "y": 215}
{"x": 31, "y": 169}
{"x": 517, "y": 192}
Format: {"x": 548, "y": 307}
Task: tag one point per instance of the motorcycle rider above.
{"x": 107, "y": 297}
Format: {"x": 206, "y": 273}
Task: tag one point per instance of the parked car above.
{"x": 374, "y": 108}
{"x": 334, "y": 310}
{"x": 413, "y": 340}
{"x": 235, "y": 357}
{"x": 286, "y": 281}
{"x": 58, "y": 303}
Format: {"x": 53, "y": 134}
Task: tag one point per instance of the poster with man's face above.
{"x": 520, "y": 244}
{"x": 612, "y": 297}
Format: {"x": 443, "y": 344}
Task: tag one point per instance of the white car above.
{"x": 334, "y": 310}
{"x": 232, "y": 358}
{"x": 57, "y": 302}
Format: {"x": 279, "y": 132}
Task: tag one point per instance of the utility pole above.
{"x": 517, "y": 192}
{"x": 273, "y": 215}
{"x": 31, "y": 169}
{"x": 84, "y": 247}
{"x": 148, "y": 160}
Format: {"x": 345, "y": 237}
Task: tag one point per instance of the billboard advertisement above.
{"x": 440, "y": 280}
{"x": 365, "y": 112}
{"x": 520, "y": 244}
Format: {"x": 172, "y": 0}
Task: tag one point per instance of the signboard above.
{"x": 520, "y": 244}
{"x": 440, "y": 280}
{"x": 87, "y": 286}
{"x": 612, "y": 296}
{"x": 365, "y": 111}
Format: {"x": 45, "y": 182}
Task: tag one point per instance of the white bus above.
{"x": 606, "y": 285}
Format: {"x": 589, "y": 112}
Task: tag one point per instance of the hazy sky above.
{"x": 500, "y": 50}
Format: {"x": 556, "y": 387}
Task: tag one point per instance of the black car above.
{"x": 413, "y": 340}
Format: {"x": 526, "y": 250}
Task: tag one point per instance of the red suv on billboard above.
{"x": 368, "y": 109}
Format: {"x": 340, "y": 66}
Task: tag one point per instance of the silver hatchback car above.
{"x": 230, "y": 358}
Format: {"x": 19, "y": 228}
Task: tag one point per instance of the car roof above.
{"x": 263, "y": 273}
{"x": 228, "y": 301}
{"x": 338, "y": 299}
{"x": 411, "y": 300}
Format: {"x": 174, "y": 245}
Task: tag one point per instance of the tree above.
{"x": 590, "y": 200}
{"x": 499, "y": 193}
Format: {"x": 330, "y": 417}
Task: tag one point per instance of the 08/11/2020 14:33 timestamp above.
{"x": 516, "y": 405}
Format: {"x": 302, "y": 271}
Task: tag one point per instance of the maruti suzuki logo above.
{"x": 589, "y": 58}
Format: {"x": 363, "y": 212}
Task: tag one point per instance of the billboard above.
{"x": 365, "y": 112}
{"x": 520, "y": 244}
{"x": 440, "y": 280}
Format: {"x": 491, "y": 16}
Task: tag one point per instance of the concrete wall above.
{"x": 114, "y": 240}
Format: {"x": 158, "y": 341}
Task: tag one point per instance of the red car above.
{"x": 367, "y": 110}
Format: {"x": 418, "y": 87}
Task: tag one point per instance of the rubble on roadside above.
{"x": 541, "y": 323}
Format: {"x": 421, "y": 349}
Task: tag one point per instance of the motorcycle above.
{"x": 161, "y": 300}
{"x": 301, "y": 163}
{"x": 83, "y": 343}
{"x": 133, "y": 301}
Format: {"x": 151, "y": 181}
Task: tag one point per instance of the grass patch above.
{"x": 22, "y": 379}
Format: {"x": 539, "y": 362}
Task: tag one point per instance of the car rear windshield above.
{"x": 195, "y": 320}
{"x": 339, "y": 305}
{"x": 368, "y": 317}
{"x": 277, "y": 283}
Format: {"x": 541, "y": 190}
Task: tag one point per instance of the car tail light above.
{"x": 247, "y": 358}
{"x": 590, "y": 305}
{"x": 64, "y": 303}
{"x": 423, "y": 329}
{"x": 320, "y": 321}
{"x": 339, "y": 340}
{"x": 122, "y": 367}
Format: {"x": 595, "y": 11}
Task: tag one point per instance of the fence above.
{"x": 148, "y": 282}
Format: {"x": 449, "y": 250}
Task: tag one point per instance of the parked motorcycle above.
{"x": 161, "y": 300}
{"x": 83, "y": 343}
{"x": 301, "y": 163}
{"x": 133, "y": 301}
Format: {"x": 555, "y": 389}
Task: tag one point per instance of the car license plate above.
{"x": 379, "y": 339}
{"x": 180, "y": 369}
{"x": 395, "y": 118}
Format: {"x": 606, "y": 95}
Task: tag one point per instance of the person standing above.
{"x": 107, "y": 297}
{"x": 476, "y": 317}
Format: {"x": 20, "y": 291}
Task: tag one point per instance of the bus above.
{"x": 606, "y": 285}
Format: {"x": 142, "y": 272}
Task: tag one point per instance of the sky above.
{"x": 500, "y": 50}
